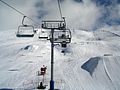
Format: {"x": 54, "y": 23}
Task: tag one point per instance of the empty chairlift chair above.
{"x": 43, "y": 34}
{"x": 25, "y": 30}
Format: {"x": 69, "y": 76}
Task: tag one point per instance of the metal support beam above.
{"x": 52, "y": 60}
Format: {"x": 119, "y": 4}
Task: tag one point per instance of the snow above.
{"x": 91, "y": 61}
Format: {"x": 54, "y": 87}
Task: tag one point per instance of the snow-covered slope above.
{"x": 91, "y": 61}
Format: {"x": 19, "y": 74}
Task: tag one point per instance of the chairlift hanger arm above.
{"x": 23, "y": 20}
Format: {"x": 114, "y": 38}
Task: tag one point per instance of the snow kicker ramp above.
{"x": 104, "y": 72}
{"x": 97, "y": 73}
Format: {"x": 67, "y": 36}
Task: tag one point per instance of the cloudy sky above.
{"x": 85, "y": 14}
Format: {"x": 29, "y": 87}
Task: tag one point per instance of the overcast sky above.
{"x": 10, "y": 19}
{"x": 88, "y": 14}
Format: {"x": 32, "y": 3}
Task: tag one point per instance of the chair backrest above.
{"x": 25, "y": 31}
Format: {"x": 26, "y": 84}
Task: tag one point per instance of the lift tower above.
{"x": 53, "y": 25}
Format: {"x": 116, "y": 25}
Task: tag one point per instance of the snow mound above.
{"x": 28, "y": 47}
{"x": 20, "y": 59}
{"x": 105, "y": 35}
{"x": 91, "y": 64}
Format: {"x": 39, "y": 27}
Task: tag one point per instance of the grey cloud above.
{"x": 90, "y": 14}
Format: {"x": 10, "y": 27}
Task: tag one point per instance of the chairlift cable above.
{"x": 60, "y": 9}
{"x": 19, "y": 11}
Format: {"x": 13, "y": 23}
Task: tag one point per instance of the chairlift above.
{"x": 25, "y": 30}
{"x": 62, "y": 36}
{"x": 43, "y": 34}
{"x": 54, "y": 24}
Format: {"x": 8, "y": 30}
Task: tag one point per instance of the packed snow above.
{"x": 90, "y": 62}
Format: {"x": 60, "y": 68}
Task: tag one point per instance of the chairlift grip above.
{"x": 23, "y": 20}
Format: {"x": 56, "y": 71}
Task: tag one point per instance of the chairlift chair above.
{"x": 25, "y": 30}
{"x": 43, "y": 34}
{"x": 62, "y": 36}
{"x": 54, "y": 24}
